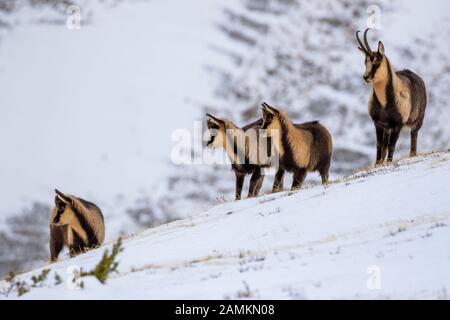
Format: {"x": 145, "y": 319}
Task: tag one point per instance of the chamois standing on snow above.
{"x": 399, "y": 99}
{"x": 242, "y": 147}
{"x": 75, "y": 223}
{"x": 301, "y": 148}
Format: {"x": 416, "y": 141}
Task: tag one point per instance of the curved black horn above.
{"x": 361, "y": 46}
{"x": 266, "y": 105}
{"x": 367, "y": 42}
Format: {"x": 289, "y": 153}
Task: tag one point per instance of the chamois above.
{"x": 76, "y": 223}
{"x": 242, "y": 148}
{"x": 301, "y": 148}
{"x": 398, "y": 99}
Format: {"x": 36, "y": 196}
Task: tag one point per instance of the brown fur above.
{"x": 302, "y": 148}
{"x": 245, "y": 161}
{"x": 75, "y": 223}
{"x": 399, "y": 99}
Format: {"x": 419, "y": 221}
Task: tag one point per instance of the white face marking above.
{"x": 369, "y": 66}
{"x": 216, "y": 135}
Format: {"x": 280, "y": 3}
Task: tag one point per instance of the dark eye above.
{"x": 377, "y": 60}
{"x": 61, "y": 209}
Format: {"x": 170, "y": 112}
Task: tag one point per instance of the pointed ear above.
{"x": 61, "y": 196}
{"x": 381, "y": 48}
{"x": 269, "y": 109}
{"x": 57, "y": 201}
{"x": 214, "y": 120}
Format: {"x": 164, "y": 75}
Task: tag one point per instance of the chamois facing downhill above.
{"x": 75, "y": 223}
{"x": 242, "y": 146}
{"x": 301, "y": 147}
{"x": 399, "y": 99}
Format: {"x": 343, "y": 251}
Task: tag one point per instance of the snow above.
{"x": 378, "y": 233}
{"x": 91, "y": 112}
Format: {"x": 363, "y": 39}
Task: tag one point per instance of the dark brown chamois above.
{"x": 398, "y": 99}
{"x": 301, "y": 148}
{"x": 75, "y": 223}
{"x": 242, "y": 148}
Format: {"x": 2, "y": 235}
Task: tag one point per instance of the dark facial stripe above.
{"x": 374, "y": 70}
{"x": 60, "y": 210}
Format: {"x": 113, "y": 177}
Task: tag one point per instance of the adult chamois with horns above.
{"x": 248, "y": 156}
{"x": 75, "y": 223}
{"x": 301, "y": 148}
{"x": 399, "y": 99}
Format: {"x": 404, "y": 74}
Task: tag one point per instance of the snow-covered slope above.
{"x": 379, "y": 233}
{"x": 92, "y": 111}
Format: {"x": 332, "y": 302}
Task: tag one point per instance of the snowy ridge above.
{"x": 315, "y": 243}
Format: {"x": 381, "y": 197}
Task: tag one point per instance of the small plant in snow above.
{"x": 246, "y": 293}
{"x": 399, "y": 230}
{"x": 40, "y": 278}
{"x": 439, "y": 225}
{"x": 21, "y": 287}
{"x": 14, "y": 285}
{"x": 58, "y": 279}
{"x": 107, "y": 264}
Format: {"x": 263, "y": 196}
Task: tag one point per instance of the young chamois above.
{"x": 399, "y": 99}
{"x": 75, "y": 223}
{"x": 301, "y": 147}
{"x": 242, "y": 147}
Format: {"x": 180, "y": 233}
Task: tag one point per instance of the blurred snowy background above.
{"x": 92, "y": 111}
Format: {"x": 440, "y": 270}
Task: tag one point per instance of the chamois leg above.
{"x": 255, "y": 183}
{"x": 77, "y": 246}
{"x": 72, "y": 240}
{"x": 324, "y": 174}
{"x": 239, "y": 183}
{"x": 393, "y": 142}
{"x": 414, "y": 134}
{"x": 299, "y": 177}
{"x": 380, "y": 136}
{"x": 278, "y": 181}
{"x": 385, "y": 146}
{"x": 56, "y": 243}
